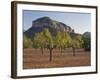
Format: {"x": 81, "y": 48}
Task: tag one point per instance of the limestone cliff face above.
{"x": 45, "y": 22}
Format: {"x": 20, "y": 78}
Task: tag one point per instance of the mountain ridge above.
{"x": 54, "y": 26}
{"x": 46, "y": 22}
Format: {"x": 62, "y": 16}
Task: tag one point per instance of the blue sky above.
{"x": 80, "y": 22}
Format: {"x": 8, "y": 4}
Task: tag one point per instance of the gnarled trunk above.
{"x": 42, "y": 51}
{"x": 73, "y": 51}
{"x": 50, "y": 58}
{"x": 61, "y": 50}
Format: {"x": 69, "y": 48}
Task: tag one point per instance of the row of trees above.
{"x": 62, "y": 40}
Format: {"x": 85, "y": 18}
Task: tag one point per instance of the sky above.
{"x": 80, "y": 22}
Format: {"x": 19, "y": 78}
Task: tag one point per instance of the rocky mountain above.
{"x": 46, "y": 22}
{"x": 87, "y": 34}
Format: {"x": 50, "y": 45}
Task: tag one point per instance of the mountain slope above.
{"x": 45, "y": 22}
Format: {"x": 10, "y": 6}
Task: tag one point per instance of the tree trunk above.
{"x": 64, "y": 50}
{"x": 61, "y": 50}
{"x": 42, "y": 51}
{"x": 73, "y": 51}
{"x": 50, "y": 58}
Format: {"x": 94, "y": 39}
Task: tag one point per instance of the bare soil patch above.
{"x": 33, "y": 58}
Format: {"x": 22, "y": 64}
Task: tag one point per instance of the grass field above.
{"x": 33, "y": 58}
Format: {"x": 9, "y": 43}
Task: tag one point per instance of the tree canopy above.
{"x": 27, "y": 43}
{"x": 77, "y": 41}
{"x": 62, "y": 39}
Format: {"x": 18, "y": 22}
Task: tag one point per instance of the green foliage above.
{"x": 77, "y": 41}
{"x": 39, "y": 40}
{"x": 62, "y": 40}
{"x": 27, "y": 43}
{"x": 43, "y": 39}
{"x": 66, "y": 40}
{"x": 87, "y": 43}
{"x": 58, "y": 40}
{"x": 48, "y": 38}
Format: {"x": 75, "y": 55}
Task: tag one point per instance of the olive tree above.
{"x": 62, "y": 40}
{"x": 39, "y": 41}
{"x": 27, "y": 43}
{"x": 87, "y": 43}
{"x": 58, "y": 40}
{"x": 43, "y": 40}
{"x": 49, "y": 42}
{"x": 77, "y": 42}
